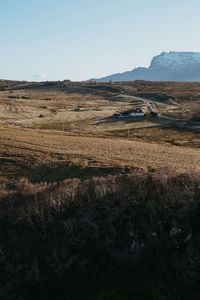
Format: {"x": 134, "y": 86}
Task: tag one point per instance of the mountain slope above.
{"x": 168, "y": 66}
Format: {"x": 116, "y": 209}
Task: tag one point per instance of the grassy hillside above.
{"x": 44, "y": 155}
{"x": 109, "y": 207}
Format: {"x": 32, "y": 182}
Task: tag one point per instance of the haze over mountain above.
{"x": 168, "y": 66}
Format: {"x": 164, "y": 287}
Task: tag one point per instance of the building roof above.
{"x": 138, "y": 111}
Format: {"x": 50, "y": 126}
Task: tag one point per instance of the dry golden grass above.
{"x": 92, "y": 139}
{"x": 22, "y": 150}
{"x": 48, "y": 108}
{"x": 164, "y": 135}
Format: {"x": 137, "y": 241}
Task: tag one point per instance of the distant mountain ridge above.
{"x": 168, "y": 66}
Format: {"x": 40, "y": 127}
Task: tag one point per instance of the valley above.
{"x": 53, "y": 131}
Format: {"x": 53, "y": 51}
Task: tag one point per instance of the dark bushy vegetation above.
{"x": 133, "y": 236}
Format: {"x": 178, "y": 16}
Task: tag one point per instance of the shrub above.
{"x": 134, "y": 236}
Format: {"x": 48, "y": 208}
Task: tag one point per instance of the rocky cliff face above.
{"x": 168, "y": 66}
{"x": 175, "y": 59}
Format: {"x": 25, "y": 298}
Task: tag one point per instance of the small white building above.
{"x": 137, "y": 113}
{"x": 80, "y": 108}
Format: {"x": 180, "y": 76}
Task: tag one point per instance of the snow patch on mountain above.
{"x": 168, "y": 66}
{"x": 175, "y": 59}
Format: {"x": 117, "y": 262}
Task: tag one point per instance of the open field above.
{"x": 47, "y": 155}
{"x": 49, "y": 106}
{"x": 43, "y": 106}
{"x": 89, "y": 198}
{"x": 44, "y": 137}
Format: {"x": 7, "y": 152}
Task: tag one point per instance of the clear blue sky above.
{"x": 80, "y": 39}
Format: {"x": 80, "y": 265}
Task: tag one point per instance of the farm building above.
{"x": 138, "y": 112}
{"x": 80, "y": 108}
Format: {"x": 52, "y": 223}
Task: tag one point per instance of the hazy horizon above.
{"x": 47, "y": 40}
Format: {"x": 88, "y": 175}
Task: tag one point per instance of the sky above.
{"x": 80, "y": 39}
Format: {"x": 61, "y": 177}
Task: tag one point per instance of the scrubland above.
{"x": 93, "y": 206}
{"x": 126, "y": 237}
